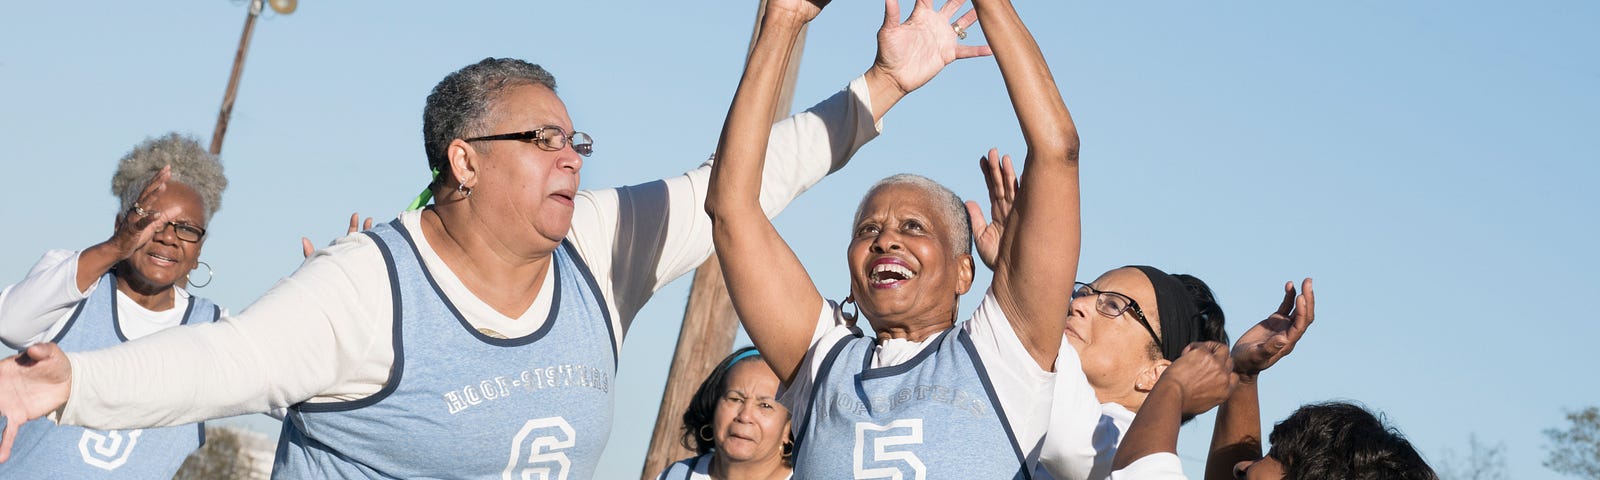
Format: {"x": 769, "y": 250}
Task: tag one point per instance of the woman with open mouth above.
{"x": 925, "y": 396}
{"x": 132, "y": 285}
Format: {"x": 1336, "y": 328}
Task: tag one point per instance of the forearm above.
{"x": 741, "y": 150}
{"x": 1046, "y": 124}
{"x": 1155, "y": 429}
{"x": 94, "y": 262}
{"x": 1237, "y": 436}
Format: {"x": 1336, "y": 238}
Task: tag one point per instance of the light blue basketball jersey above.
{"x": 461, "y": 404}
{"x": 934, "y": 416}
{"x": 46, "y": 450}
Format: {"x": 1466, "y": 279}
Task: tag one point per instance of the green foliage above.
{"x": 1575, "y": 451}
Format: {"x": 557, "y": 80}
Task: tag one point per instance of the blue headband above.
{"x": 747, "y": 354}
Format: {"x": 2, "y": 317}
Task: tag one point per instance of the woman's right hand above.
{"x": 32, "y": 383}
{"x": 139, "y": 224}
{"x": 1260, "y": 347}
{"x": 1202, "y": 375}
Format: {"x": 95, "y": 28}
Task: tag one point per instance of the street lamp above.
{"x": 283, "y": 7}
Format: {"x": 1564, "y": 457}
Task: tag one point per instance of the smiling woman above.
{"x": 126, "y": 287}
{"x": 924, "y": 396}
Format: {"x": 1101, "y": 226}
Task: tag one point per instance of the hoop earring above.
{"x": 210, "y": 275}
{"x": 788, "y": 449}
{"x": 705, "y": 432}
{"x": 464, "y": 190}
{"x": 851, "y": 316}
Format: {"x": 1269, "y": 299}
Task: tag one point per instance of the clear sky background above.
{"x": 1432, "y": 164}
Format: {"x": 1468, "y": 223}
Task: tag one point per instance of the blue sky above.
{"x": 1430, "y": 163}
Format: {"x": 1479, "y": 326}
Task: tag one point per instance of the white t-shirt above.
{"x": 1155, "y": 466}
{"x": 323, "y": 334}
{"x": 1021, "y": 387}
{"x": 35, "y": 309}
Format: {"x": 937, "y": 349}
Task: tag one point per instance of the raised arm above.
{"x": 1237, "y": 436}
{"x": 1039, "y": 252}
{"x": 770, "y": 290}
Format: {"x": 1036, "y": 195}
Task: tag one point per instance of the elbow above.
{"x": 1060, "y": 144}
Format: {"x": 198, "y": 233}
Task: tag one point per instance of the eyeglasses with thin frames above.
{"x": 1113, "y": 304}
{"x": 549, "y": 137}
{"x": 186, "y": 232}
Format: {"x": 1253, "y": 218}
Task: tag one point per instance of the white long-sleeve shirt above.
{"x": 35, "y": 309}
{"x": 324, "y": 333}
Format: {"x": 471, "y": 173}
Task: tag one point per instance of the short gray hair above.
{"x": 951, "y": 207}
{"x": 191, "y": 164}
{"x": 459, "y": 105}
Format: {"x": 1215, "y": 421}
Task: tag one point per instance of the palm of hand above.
{"x": 31, "y": 385}
{"x": 914, "y": 51}
{"x": 1269, "y": 341}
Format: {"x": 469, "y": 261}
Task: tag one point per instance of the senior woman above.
{"x": 925, "y": 397}
{"x": 126, "y": 287}
{"x": 476, "y": 337}
{"x": 736, "y": 425}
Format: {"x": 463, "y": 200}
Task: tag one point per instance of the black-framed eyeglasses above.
{"x": 186, "y": 232}
{"x": 549, "y": 137}
{"x": 1112, "y": 304}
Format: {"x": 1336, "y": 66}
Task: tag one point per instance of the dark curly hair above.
{"x": 702, "y": 409}
{"x": 1338, "y": 440}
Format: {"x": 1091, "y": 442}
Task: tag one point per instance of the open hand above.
{"x": 1269, "y": 341}
{"x": 910, "y": 53}
{"x": 1001, "y": 179}
{"x": 141, "y": 222}
{"x": 305, "y": 243}
{"x": 33, "y": 383}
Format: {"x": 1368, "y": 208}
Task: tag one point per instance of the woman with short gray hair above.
{"x": 129, "y": 286}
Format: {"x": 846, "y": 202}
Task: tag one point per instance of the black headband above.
{"x": 1180, "y": 323}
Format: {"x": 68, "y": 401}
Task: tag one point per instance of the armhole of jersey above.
{"x": 599, "y": 296}
{"x": 187, "y": 310}
{"x": 397, "y": 368}
{"x": 983, "y": 374}
{"x": 70, "y": 321}
{"x": 816, "y": 386}
{"x": 202, "y": 426}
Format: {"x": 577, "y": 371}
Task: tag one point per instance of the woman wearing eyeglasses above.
{"x": 1123, "y": 330}
{"x": 925, "y": 396}
{"x": 132, "y": 285}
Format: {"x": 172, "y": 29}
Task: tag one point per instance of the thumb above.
{"x": 305, "y": 247}
{"x": 975, "y": 213}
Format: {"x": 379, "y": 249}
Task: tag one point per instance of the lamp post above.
{"x": 283, "y": 7}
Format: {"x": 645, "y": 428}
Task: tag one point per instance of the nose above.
{"x": 569, "y": 159}
{"x": 166, "y": 234}
{"x": 746, "y": 413}
{"x": 1081, "y": 306}
{"x": 886, "y": 241}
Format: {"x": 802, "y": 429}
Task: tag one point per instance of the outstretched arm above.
{"x": 769, "y": 287}
{"x": 1237, "y": 436}
{"x": 1039, "y": 252}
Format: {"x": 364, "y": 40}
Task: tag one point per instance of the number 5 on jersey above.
{"x": 885, "y": 451}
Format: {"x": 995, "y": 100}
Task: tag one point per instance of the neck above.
{"x": 1131, "y": 399}
{"x": 151, "y": 297}
{"x": 915, "y": 333}
{"x": 772, "y": 467}
{"x": 495, "y": 271}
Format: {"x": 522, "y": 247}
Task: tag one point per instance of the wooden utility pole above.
{"x": 233, "y": 80}
{"x": 709, "y": 323}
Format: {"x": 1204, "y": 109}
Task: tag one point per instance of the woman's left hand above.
{"x": 305, "y": 243}
{"x": 1269, "y": 341}
{"x": 911, "y": 52}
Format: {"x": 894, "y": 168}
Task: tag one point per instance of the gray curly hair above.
{"x": 191, "y": 165}
{"x": 951, "y": 207}
{"x": 459, "y": 106}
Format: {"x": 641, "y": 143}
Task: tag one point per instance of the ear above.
{"x": 463, "y": 160}
{"x": 1147, "y": 378}
{"x": 965, "y": 267}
